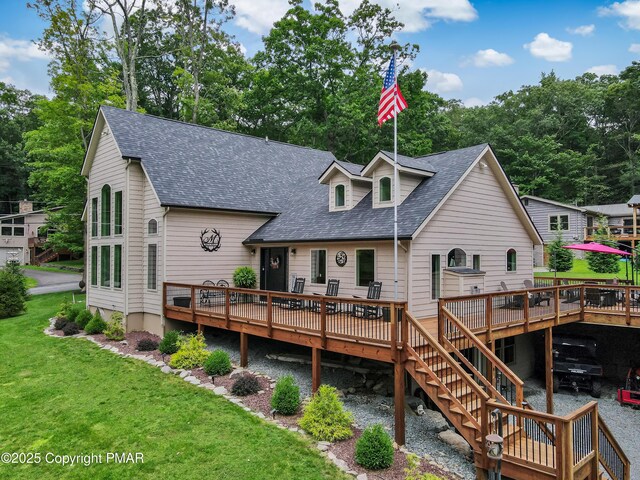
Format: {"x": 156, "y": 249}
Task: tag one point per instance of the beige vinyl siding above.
{"x": 188, "y": 262}
{"x": 108, "y": 168}
{"x": 134, "y": 275}
{"x": 359, "y": 190}
{"x": 408, "y": 183}
{"x": 300, "y": 265}
{"x": 478, "y": 218}
{"x": 152, "y": 299}
{"x": 339, "y": 178}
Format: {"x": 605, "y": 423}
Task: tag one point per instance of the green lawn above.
{"x": 581, "y": 270}
{"x": 48, "y": 269}
{"x": 67, "y": 263}
{"x": 30, "y": 282}
{"x": 67, "y": 396}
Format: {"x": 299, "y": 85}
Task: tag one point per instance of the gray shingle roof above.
{"x": 352, "y": 168}
{"x": 611, "y": 210}
{"x": 635, "y": 200}
{"x": 419, "y": 163}
{"x": 194, "y": 166}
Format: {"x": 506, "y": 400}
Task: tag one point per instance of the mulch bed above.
{"x": 261, "y": 402}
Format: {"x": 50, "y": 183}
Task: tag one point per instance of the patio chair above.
{"x": 593, "y": 297}
{"x": 295, "y": 303}
{"x": 509, "y": 302}
{"x": 537, "y": 297}
{"x": 369, "y": 311}
{"x": 333, "y": 285}
{"x": 206, "y": 296}
{"x": 572, "y": 295}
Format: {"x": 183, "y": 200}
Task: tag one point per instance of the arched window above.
{"x": 512, "y": 260}
{"x": 339, "y": 196}
{"x": 457, "y": 258}
{"x": 105, "y": 217}
{"x": 152, "y": 227}
{"x": 385, "y": 189}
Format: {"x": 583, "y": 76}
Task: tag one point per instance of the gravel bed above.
{"x": 624, "y": 422}
{"x": 367, "y": 408}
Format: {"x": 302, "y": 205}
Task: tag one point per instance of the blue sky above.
{"x": 473, "y": 50}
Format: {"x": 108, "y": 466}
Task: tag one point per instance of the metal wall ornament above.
{"x": 210, "y": 239}
{"x": 341, "y": 258}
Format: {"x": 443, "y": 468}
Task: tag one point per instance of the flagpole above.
{"x": 394, "y": 47}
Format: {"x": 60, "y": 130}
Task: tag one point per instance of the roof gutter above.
{"x": 325, "y": 240}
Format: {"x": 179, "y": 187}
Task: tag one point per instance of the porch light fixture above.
{"x": 253, "y": 251}
{"x": 494, "y": 446}
{"x": 293, "y": 251}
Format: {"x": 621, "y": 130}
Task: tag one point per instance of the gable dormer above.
{"x": 346, "y": 186}
{"x": 410, "y": 173}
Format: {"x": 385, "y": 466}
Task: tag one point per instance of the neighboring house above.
{"x": 170, "y": 201}
{"x": 22, "y": 234}
{"x": 551, "y": 217}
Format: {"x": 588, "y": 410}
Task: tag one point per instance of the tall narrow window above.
{"x": 457, "y": 258}
{"x": 117, "y": 214}
{"x": 94, "y": 217}
{"x": 152, "y": 227}
{"x": 385, "y": 189}
{"x": 506, "y": 349}
{"x": 152, "y": 267}
{"x": 105, "y": 266}
{"x": 94, "y": 266}
{"x": 435, "y": 277}
{"x": 105, "y": 214}
{"x": 476, "y": 262}
{"x": 512, "y": 260}
{"x": 117, "y": 266}
{"x": 339, "y": 193}
{"x": 365, "y": 267}
{"x": 319, "y": 266}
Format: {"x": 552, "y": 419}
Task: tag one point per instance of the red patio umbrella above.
{"x": 596, "y": 248}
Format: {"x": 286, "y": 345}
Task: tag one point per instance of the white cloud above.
{"x": 584, "y": 30}
{"x": 258, "y": 16}
{"x": 604, "y": 70}
{"x": 634, "y": 48}
{"x": 490, "y": 58}
{"x": 7, "y": 80}
{"x": 551, "y": 49}
{"x": 23, "y": 65}
{"x": 629, "y": 10}
{"x": 474, "y": 102}
{"x": 442, "y": 82}
{"x": 17, "y": 50}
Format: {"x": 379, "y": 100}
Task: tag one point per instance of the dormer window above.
{"x": 339, "y": 196}
{"x": 385, "y": 189}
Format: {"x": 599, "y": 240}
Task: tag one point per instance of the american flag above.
{"x": 389, "y": 89}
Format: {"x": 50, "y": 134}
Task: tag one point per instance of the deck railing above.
{"x": 611, "y": 456}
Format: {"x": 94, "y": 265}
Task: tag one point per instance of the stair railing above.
{"x": 610, "y": 454}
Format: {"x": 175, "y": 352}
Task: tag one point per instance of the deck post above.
{"x": 164, "y": 299}
{"x": 398, "y": 395}
{"x": 323, "y": 322}
{"x": 567, "y": 450}
{"x": 488, "y": 313}
{"x": 227, "y": 307}
{"x": 316, "y": 365}
{"x": 269, "y": 315}
{"x": 594, "y": 442}
{"x": 583, "y": 290}
{"x": 557, "y": 306}
{"x": 526, "y": 312}
{"x": 394, "y": 332}
{"x": 244, "y": 349}
{"x": 627, "y": 304}
{"x": 193, "y": 305}
{"x": 548, "y": 367}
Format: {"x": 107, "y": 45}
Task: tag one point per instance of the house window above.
{"x": 94, "y": 266}
{"x": 457, "y": 258}
{"x": 152, "y": 267}
{"x": 319, "y": 266}
{"x": 117, "y": 266}
{"x": 506, "y": 349}
{"x": 385, "y": 189}
{"x": 6, "y": 231}
{"x": 525, "y": 201}
{"x": 152, "y": 227}
{"x": 339, "y": 196}
{"x": 559, "y": 222}
{"x": 365, "y": 267}
{"x": 105, "y": 214}
{"x": 105, "y": 266}
{"x": 512, "y": 260}
{"x": 94, "y": 217}
{"x": 117, "y": 214}
{"x": 18, "y": 231}
{"x": 476, "y": 262}
{"x": 435, "y": 277}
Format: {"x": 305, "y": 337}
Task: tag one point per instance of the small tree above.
{"x": 560, "y": 259}
{"x": 13, "y": 292}
{"x": 603, "y": 262}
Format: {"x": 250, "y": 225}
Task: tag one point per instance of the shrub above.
{"x": 325, "y": 418}
{"x": 60, "y": 323}
{"x": 244, "y": 277}
{"x": 71, "y": 328}
{"x": 146, "y": 345}
{"x": 245, "y": 385}
{"x": 169, "y": 344}
{"x": 83, "y": 318}
{"x": 64, "y": 308}
{"x": 96, "y": 324}
{"x": 115, "y": 329}
{"x": 73, "y": 311}
{"x": 286, "y": 396}
{"x": 13, "y": 292}
{"x": 192, "y": 352}
{"x": 218, "y": 363}
{"x": 560, "y": 259}
{"x": 374, "y": 448}
{"x": 412, "y": 472}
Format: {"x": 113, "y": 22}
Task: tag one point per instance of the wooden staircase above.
{"x": 480, "y": 395}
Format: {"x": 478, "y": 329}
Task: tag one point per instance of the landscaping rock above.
{"x": 456, "y": 441}
{"x": 435, "y": 421}
{"x": 362, "y": 476}
{"x": 184, "y": 373}
{"x": 413, "y": 402}
{"x": 220, "y": 390}
{"x": 166, "y": 369}
{"x": 193, "y": 380}
{"x": 237, "y": 371}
